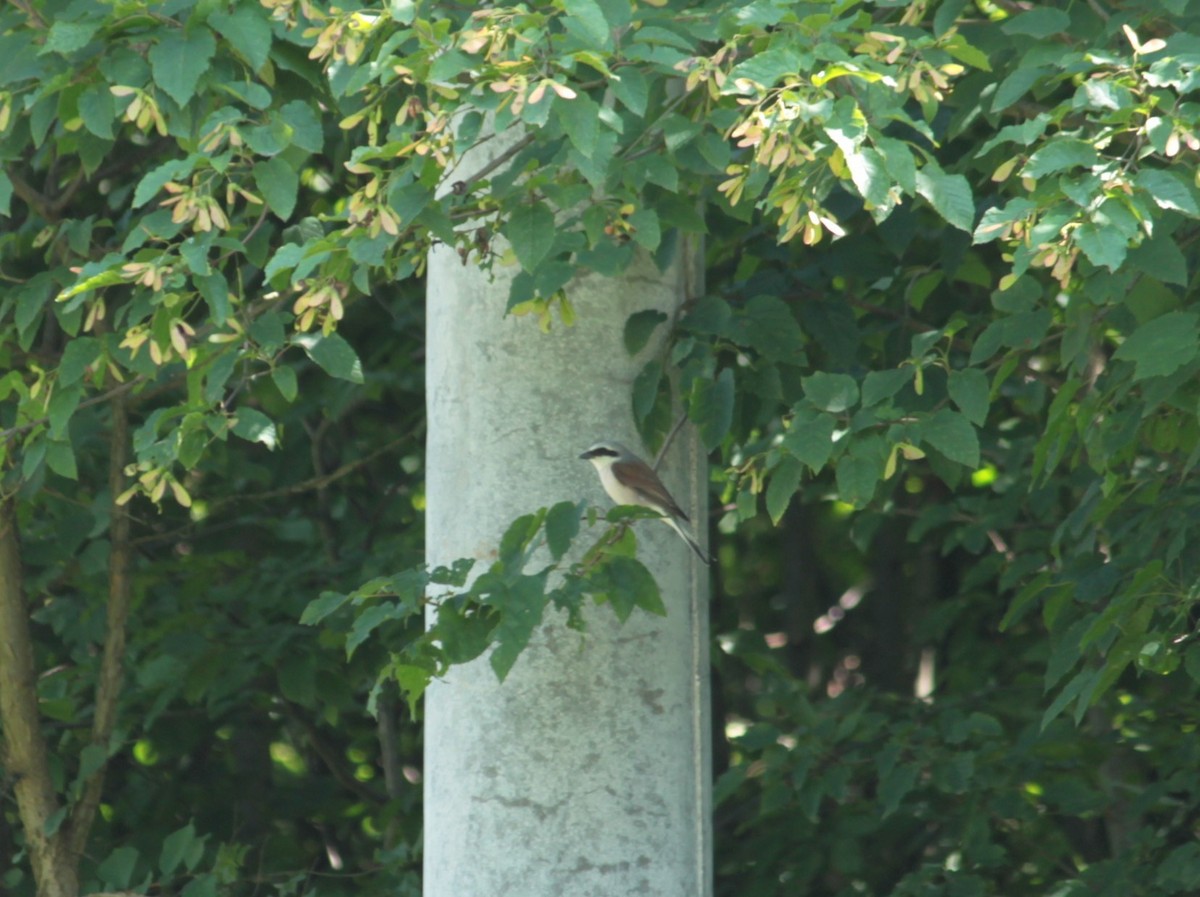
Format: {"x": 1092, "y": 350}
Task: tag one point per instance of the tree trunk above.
{"x": 25, "y": 753}
{"x": 587, "y": 772}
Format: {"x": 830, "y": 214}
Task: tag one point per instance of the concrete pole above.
{"x": 587, "y": 772}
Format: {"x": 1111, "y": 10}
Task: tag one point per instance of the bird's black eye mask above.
{"x": 599, "y": 453}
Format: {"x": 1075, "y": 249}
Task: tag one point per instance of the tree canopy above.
{"x": 946, "y": 368}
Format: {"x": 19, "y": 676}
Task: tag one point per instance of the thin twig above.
{"x": 317, "y": 482}
{"x": 313, "y": 483}
{"x": 461, "y": 186}
{"x": 670, "y": 438}
{"x": 113, "y": 393}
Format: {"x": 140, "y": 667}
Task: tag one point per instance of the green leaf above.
{"x": 254, "y": 426}
{"x": 412, "y": 681}
{"x": 102, "y": 278}
{"x": 893, "y": 787}
{"x": 62, "y": 405}
{"x": 709, "y": 315}
{"x": 646, "y": 230}
{"x": 201, "y": 886}
{"x": 521, "y": 607}
{"x": 831, "y": 392}
{"x": 370, "y": 619}
{"x": 785, "y": 480}
{"x": 1105, "y": 247}
{"x": 67, "y": 37}
{"x": 1179, "y": 872}
{"x": 768, "y": 325}
{"x": 6, "y": 191}
{"x": 79, "y": 353}
{"x": 177, "y": 847}
{"x": 1019, "y": 331}
{"x": 97, "y": 110}
{"x": 403, "y": 11}
{"x": 952, "y": 434}
{"x": 810, "y": 438}
{"x": 1041, "y": 22}
{"x": 332, "y": 354}
{"x": 285, "y": 258}
{"x": 1082, "y": 681}
{"x": 638, "y": 328}
{"x": 627, "y": 584}
{"x": 179, "y": 59}
{"x": 765, "y": 68}
{"x": 60, "y": 458}
{"x": 253, "y": 95}
{"x": 1161, "y": 258}
{"x": 320, "y": 608}
{"x": 964, "y": 52}
{"x": 116, "y": 871}
{"x": 899, "y": 162}
{"x": 215, "y": 290}
{"x": 267, "y": 139}
{"x": 995, "y": 220}
{"x": 580, "y": 118}
{"x": 1191, "y": 662}
{"x": 247, "y": 31}
{"x": 409, "y": 200}
{"x": 218, "y": 376}
{"x": 1060, "y": 154}
{"x": 1027, "y": 330}
{"x": 465, "y": 631}
{"x": 1023, "y": 134}
{"x": 645, "y": 389}
{"x": 861, "y": 470}
{"x": 307, "y": 132}
{"x": 267, "y": 331}
{"x": 530, "y": 230}
{"x": 588, "y": 23}
{"x": 711, "y": 407}
{"x": 562, "y": 525}
{"x": 870, "y": 176}
{"x": 55, "y": 819}
{"x": 1163, "y": 345}
{"x": 1017, "y": 85}
{"x": 969, "y": 389}
{"x": 279, "y": 184}
{"x": 949, "y": 194}
{"x": 880, "y": 385}
{"x": 284, "y": 378}
{"x": 1168, "y": 190}
{"x": 515, "y": 543}
{"x": 629, "y": 86}
{"x": 154, "y": 179}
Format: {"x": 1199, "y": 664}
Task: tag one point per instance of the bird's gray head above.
{"x": 606, "y": 449}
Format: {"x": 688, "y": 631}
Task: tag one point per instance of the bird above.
{"x": 629, "y": 480}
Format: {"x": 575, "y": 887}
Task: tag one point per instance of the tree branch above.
{"x": 331, "y": 758}
{"x": 389, "y": 756}
{"x": 108, "y": 683}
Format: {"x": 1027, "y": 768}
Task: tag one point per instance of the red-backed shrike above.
{"x": 629, "y": 480}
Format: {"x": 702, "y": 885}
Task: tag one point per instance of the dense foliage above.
{"x": 947, "y": 370}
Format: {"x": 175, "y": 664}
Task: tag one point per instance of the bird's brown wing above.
{"x": 645, "y": 482}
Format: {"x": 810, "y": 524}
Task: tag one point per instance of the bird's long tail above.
{"x": 689, "y": 538}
